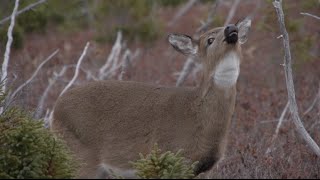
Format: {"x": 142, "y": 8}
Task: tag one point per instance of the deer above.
{"x": 108, "y": 123}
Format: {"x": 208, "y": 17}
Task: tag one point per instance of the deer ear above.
{"x": 244, "y": 28}
{"x": 184, "y": 44}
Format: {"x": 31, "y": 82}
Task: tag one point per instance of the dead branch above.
{"x": 4, "y": 71}
{"x": 232, "y": 12}
{"x": 113, "y": 57}
{"x": 317, "y": 98}
{"x": 187, "y": 67}
{"x": 211, "y": 14}
{"x": 289, "y": 81}
{"x": 182, "y": 11}
{"x": 33, "y": 75}
{"x": 275, "y": 135}
{"x": 125, "y": 64}
{"x": 311, "y": 15}
{"x": 48, "y": 118}
{"x": 31, "y": 6}
{"x": 77, "y": 69}
{"x": 52, "y": 81}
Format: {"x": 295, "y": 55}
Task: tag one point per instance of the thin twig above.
{"x": 182, "y": 11}
{"x": 112, "y": 58}
{"x": 187, "y": 67}
{"x": 4, "y": 71}
{"x": 127, "y": 60}
{"x": 232, "y": 12}
{"x": 211, "y": 14}
{"x": 311, "y": 15}
{"x": 52, "y": 81}
{"x": 125, "y": 64}
{"x": 34, "y": 74}
{"x": 317, "y": 98}
{"x": 31, "y": 6}
{"x": 275, "y": 135}
{"x": 289, "y": 81}
{"x": 77, "y": 69}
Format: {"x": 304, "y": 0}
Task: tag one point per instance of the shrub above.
{"x": 163, "y": 165}
{"x": 28, "y": 150}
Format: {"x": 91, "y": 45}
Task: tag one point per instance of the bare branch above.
{"x": 4, "y": 71}
{"x": 211, "y": 14}
{"x": 275, "y": 135}
{"x": 34, "y": 74}
{"x": 281, "y": 120}
{"x": 187, "y": 67}
{"x": 289, "y": 81}
{"x": 182, "y": 11}
{"x": 77, "y": 69}
{"x": 311, "y": 15}
{"x": 232, "y": 12}
{"x": 112, "y": 58}
{"x": 317, "y": 98}
{"x": 31, "y": 6}
{"x": 52, "y": 81}
{"x": 48, "y": 118}
{"x": 5, "y": 63}
{"x": 125, "y": 64}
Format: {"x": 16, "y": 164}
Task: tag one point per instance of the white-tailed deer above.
{"x": 108, "y": 123}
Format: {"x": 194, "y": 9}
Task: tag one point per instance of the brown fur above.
{"x": 112, "y": 121}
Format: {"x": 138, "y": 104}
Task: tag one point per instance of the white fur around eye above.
{"x": 227, "y": 71}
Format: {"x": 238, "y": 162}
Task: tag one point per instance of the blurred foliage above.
{"x": 306, "y": 5}
{"x": 300, "y": 42}
{"x": 28, "y": 150}
{"x": 165, "y": 165}
{"x": 172, "y": 3}
{"x": 136, "y": 18}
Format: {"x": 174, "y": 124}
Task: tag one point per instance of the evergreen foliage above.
{"x": 28, "y": 150}
{"x": 165, "y": 165}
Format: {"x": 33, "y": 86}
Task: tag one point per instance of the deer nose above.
{"x": 231, "y": 34}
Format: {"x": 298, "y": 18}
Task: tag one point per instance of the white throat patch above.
{"x": 227, "y": 71}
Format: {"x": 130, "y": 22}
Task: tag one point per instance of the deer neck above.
{"x": 218, "y": 94}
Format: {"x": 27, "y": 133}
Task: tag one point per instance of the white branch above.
{"x": 289, "y": 81}
{"x": 33, "y": 75}
{"x": 187, "y": 67}
{"x": 212, "y": 12}
{"x": 232, "y": 12}
{"x": 127, "y": 60}
{"x": 125, "y": 64}
{"x": 52, "y": 81}
{"x": 182, "y": 11}
{"x": 281, "y": 120}
{"x": 5, "y": 63}
{"x": 4, "y": 71}
{"x": 275, "y": 135}
{"x": 48, "y": 118}
{"x": 311, "y": 15}
{"x": 317, "y": 98}
{"x": 112, "y": 58}
{"x": 198, "y": 67}
{"x": 31, "y": 6}
{"x": 77, "y": 70}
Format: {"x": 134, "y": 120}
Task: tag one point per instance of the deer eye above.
{"x": 210, "y": 41}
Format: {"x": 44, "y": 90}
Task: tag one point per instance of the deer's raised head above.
{"x": 218, "y": 49}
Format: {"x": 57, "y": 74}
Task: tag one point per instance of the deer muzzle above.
{"x": 231, "y": 34}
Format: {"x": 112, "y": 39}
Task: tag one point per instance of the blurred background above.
{"x": 141, "y": 27}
